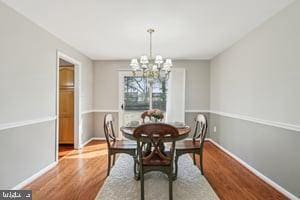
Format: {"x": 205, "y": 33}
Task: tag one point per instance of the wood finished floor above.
{"x": 65, "y": 149}
{"x": 81, "y": 173}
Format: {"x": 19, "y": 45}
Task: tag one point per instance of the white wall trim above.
{"x": 257, "y": 173}
{"x": 85, "y": 143}
{"x": 115, "y": 110}
{"x": 35, "y": 176}
{"x": 47, "y": 168}
{"x": 77, "y": 100}
{"x": 197, "y": 111}
{"x": 99, "y": 110}
{"x": 26, "y": 123}
{"x": 287, "y": 126}
{"x": 87, "y": 111}
{"x": 91, "y": 139}
{"x": 98, "y": 138}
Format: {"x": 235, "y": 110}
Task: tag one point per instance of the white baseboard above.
{"x": 93, "y": 138}
{"x": 35, "y": 176}
{"x": 257, "y": 173}
{"x": 89, "y": 140}
{"x": 98, "y": 138}
{"x": 47, "y": 168}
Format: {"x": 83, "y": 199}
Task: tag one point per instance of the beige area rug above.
{"x": 190, "y": 184}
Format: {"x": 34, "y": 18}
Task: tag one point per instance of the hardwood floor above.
{"x": 81, "y": 173}
{"x": 78, "y": 175}
{"x": 230, "y": 180}
{"x": 65, "y": 149}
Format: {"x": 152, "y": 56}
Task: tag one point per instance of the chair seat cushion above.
{"x": 156, "y": 160}
{"x": 187, "y": 144}
{"x": 120, "y": 144}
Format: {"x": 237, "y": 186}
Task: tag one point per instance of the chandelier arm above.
{"x": 151, "y": 68}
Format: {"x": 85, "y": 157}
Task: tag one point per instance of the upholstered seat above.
{"x": 157, "y": 160}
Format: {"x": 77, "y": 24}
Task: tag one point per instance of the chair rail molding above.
{"x": 87, "y": 112}
{"x": 104, "y": 110}
{"x": 292, "y": 127}
{"x": 26, "y": 122}
{"x": 115, "y": 110}
{"x": 196, "y": 111}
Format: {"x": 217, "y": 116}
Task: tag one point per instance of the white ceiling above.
{"x": 116, "y": 29}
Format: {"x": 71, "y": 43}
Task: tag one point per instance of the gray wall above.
{"x": 24, "y": 151}
{"x": 98, "y": 123}
{"x": 190, "y": 120}
{"x": 28, "y": 92}
{"x": 106, "y": 83}
{"x": 87, "y": 127}
{"x": 106, "y": 88}
{"x": 272, "y": 151}
{"x": 99, "y": 116}
{"x": 259, "y": 77}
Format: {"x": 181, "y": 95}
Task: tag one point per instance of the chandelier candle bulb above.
{"x": 152, "y": 68}
{"x": 144, "y": 60}
{"x": 168, "y": 62}
{"x": 134, "y": 63}
{"x": 159, "y": 59}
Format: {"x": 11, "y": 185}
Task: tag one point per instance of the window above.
{"x": 136, "y": 94}
{"x": 159, "y": 95}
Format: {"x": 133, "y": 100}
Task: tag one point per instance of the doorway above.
{"x": 136, "y": 95}
{"x": 68, "y": 123}
{"x": 66, "y": 107}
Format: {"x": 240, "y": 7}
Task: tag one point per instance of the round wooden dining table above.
{"x": 128, "y": 132}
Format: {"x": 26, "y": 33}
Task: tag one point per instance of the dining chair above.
{"x": 156, "y": 159}
{"x": 194, "y": 146}
{"x": 115, "y": 146}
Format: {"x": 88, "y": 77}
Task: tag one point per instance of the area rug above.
{"x": 190, "y": 184}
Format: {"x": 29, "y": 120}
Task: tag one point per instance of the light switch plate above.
{"x": 215, "y": 129}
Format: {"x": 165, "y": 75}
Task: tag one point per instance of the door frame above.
{"x": 122, "y": 74}
{"x": 77, "y": 100}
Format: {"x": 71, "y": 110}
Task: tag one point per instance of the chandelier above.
{"x": 151, "y": 68}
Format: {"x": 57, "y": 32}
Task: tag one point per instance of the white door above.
{"x": 136, "y": 96}
{"x": 133, "y": 97}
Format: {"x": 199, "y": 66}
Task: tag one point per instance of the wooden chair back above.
{"x": 201, "y": 128}
{"x": 156, "y": 134}
{"x": 109, "y": 129}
